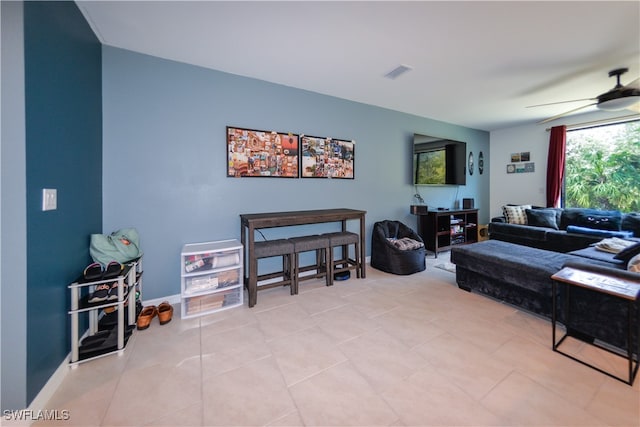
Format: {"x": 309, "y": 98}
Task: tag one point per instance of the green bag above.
{"x": 121, "y": 246}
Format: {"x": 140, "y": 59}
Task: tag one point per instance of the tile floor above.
{"x": 386, "y": 350}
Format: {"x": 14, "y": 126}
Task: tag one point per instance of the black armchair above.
{"x": 393, "y": 252}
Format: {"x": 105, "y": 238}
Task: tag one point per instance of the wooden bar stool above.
{"x": 344, "y": 239}
{"x": 319, "y": 244}
{"x": 268, "y": 249}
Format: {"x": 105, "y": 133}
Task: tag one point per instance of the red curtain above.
{"x": 555, "y": 164}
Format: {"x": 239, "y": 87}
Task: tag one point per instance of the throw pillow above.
{"x": 627, "y": 253}
{"x": 634, "y": 264}
{"x": 600, "y": 220}
{"x": 599, "y": 233}
{"x": 516, "y": 214}
{"x": 631, "y": 221}
{"x": 405, "y": 243}
{"x": 613, "y": 245}
{"x": 542, "y": 218}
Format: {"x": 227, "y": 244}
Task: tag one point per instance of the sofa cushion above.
{"x": 564, "y": 241}
{"x": 570, "y": 216}
{"x": 592, "y": 253}
{"x": 631, "y": 221}
{"x": 542, "y": 218}
{"x": 518, "y": 231}
{"x": 591, "y": 218}
{"x": 558, "y": 212}
{"x": 627, "y": 253}
{"x": 516, "y": 214}
{"x": 600, "y": 220}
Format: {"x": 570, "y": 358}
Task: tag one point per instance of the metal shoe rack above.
{"x": 81, "y": 291}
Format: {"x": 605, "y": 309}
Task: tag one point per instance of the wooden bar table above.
{"x": 251, "y": 222}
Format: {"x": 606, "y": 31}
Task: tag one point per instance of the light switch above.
{"x": 49, "y": 199}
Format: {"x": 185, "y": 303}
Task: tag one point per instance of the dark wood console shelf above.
{"x": 441, "y": 229}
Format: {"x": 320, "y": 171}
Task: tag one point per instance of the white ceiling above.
{"x": 477, "y": 64}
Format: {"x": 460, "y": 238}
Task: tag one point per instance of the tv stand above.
{"x": 440, "y": 230}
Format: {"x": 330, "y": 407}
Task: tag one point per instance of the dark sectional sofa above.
{"x": 521, "y": 275}
{"x": 569, "y": 231}
{"x": 516, "y": 266}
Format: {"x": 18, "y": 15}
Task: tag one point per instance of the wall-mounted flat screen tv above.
{"x": 438, "y": 161}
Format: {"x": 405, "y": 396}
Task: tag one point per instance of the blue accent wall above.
{"x": 63, "y": 74}
{"x": 165, "y": 157}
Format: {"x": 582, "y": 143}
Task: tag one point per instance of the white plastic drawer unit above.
{"x": 206, "y": 261}
{"x": 212, "y": 302}
{"x": 206, "y": 282}
{"x": 211, "y": 277}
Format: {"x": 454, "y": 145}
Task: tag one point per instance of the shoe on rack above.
{"x": 94, "y": 340}
{"x": 110, "y": 309}
{"x": 101, "y": 293}
{"x": 113, "y": 270}
{"x": 138, "y": 308}
{"x": 113, "y": 292}
{"x": 92, "y": 272}
{"x": 165, "y": 312}
{"x": 106, "y": 342}
{"x": 145, "y": 317}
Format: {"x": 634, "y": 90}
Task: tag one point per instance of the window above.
{"x": 603, "y": 167}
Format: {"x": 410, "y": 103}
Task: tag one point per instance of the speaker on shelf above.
{"x": 419, "y": 209}
{"x": 467, "y": 203}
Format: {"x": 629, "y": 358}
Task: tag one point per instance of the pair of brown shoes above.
{"x": 164, "y": 311}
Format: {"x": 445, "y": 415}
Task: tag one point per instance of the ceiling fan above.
{"x": 618, "y": 98}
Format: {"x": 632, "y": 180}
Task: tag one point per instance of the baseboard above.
{"x": 38, "y": 405}
{"x": 171, "y": 299}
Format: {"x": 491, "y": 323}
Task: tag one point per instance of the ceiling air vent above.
{"x": 397, "y": 72}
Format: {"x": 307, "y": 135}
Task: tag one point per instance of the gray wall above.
{"x": 165, "y": 157}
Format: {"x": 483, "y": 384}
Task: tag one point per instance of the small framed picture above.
{"x": 515, "y": 157}
{"x": 511, "y": 168}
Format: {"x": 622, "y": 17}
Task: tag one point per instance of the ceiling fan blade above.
{"x": 634, "y": 84}
{"x": 561, "y": 102}
{"x": 550, "y": 119}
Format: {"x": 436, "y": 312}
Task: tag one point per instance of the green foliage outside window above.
{"x": 603, "y": 168}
